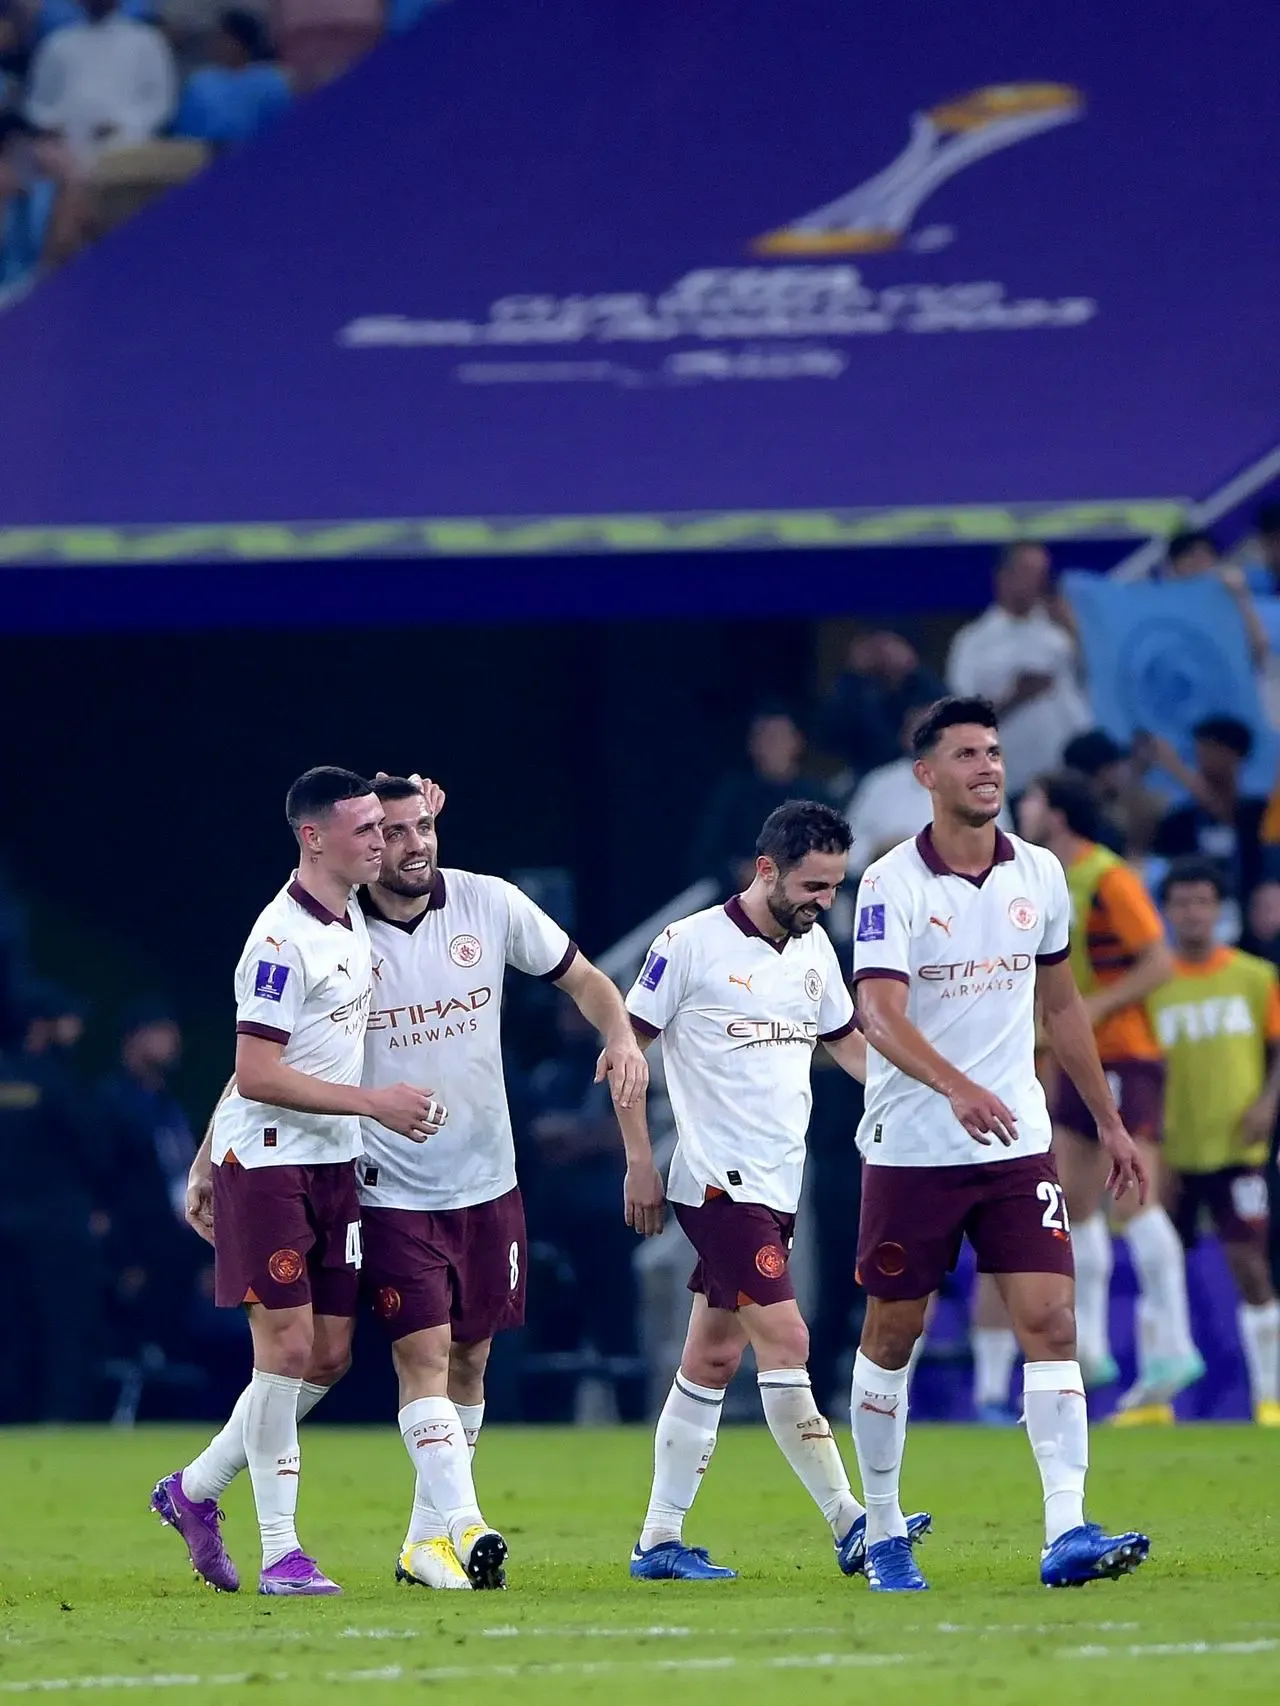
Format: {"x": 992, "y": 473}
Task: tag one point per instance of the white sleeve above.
{"x": 48, "y": 84}
{"x": 655, "y": 996}
{"x": 535, "y": 943}
{"x": 835, "y": 1009}
{"x": 270, "y": 990}
{"x": 1055, "y": 940}
{"x": 882, "y": 931}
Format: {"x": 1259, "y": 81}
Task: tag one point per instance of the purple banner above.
{"x": 592, "y": 275}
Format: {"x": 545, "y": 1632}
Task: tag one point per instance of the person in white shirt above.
{"x": 444, "y": 1233}
{"x": 960, "y": 934}
{"x": 889, "y": 804}
{"x": 108, "y": 83}
{"x": 285, "y": 1219}
{"x": 1022, "y": 655}
{"x": 741, "y": 994}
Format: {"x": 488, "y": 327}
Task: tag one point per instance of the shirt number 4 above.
{"x": 354, "y": 1252}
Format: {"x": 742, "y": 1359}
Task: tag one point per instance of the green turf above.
{"x": 91, "y": 1586}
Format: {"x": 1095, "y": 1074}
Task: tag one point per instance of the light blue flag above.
{"x": 1162, "y": 656}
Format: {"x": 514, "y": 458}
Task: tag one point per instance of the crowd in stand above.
{"x": 106, "y": 103}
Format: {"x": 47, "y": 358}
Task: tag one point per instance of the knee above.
{"x": 423, "y": 1359}
{"x": 711, "y": 1365}
{"x": 469, "y": 1361}
{"x": 328, "y": 1367}
{"x": 286, "y": 1351}
{"x": 890, "y": 1332}
{"x": 1049, "y": 1333}
{"x": 785, "y": 1347}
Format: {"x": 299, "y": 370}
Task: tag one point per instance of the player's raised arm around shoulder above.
{"x": 882, "y": 978}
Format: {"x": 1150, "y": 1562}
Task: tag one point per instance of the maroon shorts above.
{"x": 1234, "y": 1199}
{"x": 1138, "y": 1087}
{"x": 914, "y": 1219}
{"x": 285, "y": 1236}
{"x": 460, "y": 1266}
{"x": 743, "y": 1251}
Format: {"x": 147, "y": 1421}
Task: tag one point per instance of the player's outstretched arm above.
{"x": 1069, "y": 1032}
{"x": 601, "y": 1005}
{"x": 262, "y": 1076}
{"x": 850, "y": 1054}
{"x": 882, "y": 1008}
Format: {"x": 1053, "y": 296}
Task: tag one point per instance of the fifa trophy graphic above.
{"x": 878, "y": 213}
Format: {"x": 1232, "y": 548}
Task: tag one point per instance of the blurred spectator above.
{"x": 573, "y": 1182}
{"x": 241, "y": 92}
{"x": 1195, "y": 553}
{"x": 109, "y": 82}
{"x": 50, "y": 1353}
{"x": 1022, "y": 655}
{"x": 1261, "y": 557}
{"x": 861, "y": 719}
{"x": 29, "y": 162}
{"x": 1219, "y": 822}
{"x": 724, "y": 846}
{"x": 153, "y": 1256}
{"x": 1128, "y": 810}
{"x": 58, "y": 14}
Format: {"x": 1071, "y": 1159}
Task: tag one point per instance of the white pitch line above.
{"x": 725, "y": 1662}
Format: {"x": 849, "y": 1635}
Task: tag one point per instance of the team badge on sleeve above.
{"x": 651, "y": 974}
{"x": 268, "y": 984}
{"x": 871, "y": 923}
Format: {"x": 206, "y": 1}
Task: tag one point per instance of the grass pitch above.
{"x": 95, "y": 1595}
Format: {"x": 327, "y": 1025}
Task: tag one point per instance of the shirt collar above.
{"x": 737, "y": 914}
{"x": 309, "y": 903}
{"x": 435, "y": 903}
{"x": 938, "y": 865}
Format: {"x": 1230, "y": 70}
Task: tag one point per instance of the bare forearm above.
{"x": 280, "y": 1086}
{"x": 850, "y": 1055}
{"x": 634, "y": 1125}
{"x": 1153, "y": 969}
{"x": 601, "y": 1005}
{"x": 894, "y": 1036}
{"x": 1070, "y": 1035}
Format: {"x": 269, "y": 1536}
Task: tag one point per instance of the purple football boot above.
{"x": 295, "y": 1574}
{"x": 199, "y": 1524}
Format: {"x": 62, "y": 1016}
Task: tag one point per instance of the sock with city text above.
{"x": 425, "y": 1521}
{"x": 804, "y": 1437}
{"x": 1058, "y": 1428}
{"x": 271, "y": 1447}
{"x": 878, "y": 1410}
{"x": 682, "y": 1445}
{"x": 209, "y": 1475}
{"x": 437, "y": 1445}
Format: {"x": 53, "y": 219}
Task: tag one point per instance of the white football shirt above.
{"x": 436, "y": 1021}
{"x": 739, "y": 1016}
{"x": 303, "y": 980}
{"x": 967, "y": 949}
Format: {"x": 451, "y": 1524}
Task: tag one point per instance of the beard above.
{"x": 410, "y": 886}
{"x": 796, "y": 920}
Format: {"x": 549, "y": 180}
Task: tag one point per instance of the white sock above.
{"x": 1146, "y": 1333}
{"x": 1162, "y": 1274}
{"x": 995, "y": 1350}
{"x": 1260, "y": 1336}
{"x": 1094, "y": 1256}
{"x": 682, "y": 1445}
{"x": 878, "y": 1410}
{"x": 1058, "y": 1428}
{"x": 271, "y": 1447}
{"x": 433, "y": 1436}
{"x": 804, "y": 1437}
{"x": 425, "y": 1521}
{"x": 209, "y": 1475}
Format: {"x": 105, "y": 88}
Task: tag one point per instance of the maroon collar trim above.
{"x": 937, "y": 864}
{"x": 435, "y": 902}
{"x": 317, "y": 909}
{"x": 737, "y": 914}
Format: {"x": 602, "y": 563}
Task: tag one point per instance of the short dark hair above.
{"x": 950, "y": 713}
{"x": 1074, "y": 795}
{"x": 1091, "y": 752}
{"x": 318, "y": 791}
{"x": 1008, "y": 554}
{"x": 247, "y": 30}
{"x": 389, "y": 788}
{"x": 1230, "y": 732}
{"x": 802, "y": 826}
{"x": 1193, "y": 869}
{"x": 1188, "y": 540}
